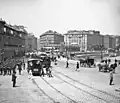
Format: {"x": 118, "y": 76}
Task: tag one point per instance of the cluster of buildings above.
{"x": 15, "y": 40}
{"x": 78, "y": 40}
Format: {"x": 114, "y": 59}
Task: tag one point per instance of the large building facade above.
{"x": 84, "y": 40}
{"x": 12, "y": 40}
{"x": 51, "y": 39}
{"x": 109, "y": 41}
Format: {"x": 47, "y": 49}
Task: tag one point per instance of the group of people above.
{"x": 110, "y": 65}
{"x": 77, "y": 65}
{"x": 9, "y": 67}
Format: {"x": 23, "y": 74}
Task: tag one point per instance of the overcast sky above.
{"x": 63, "y": 15}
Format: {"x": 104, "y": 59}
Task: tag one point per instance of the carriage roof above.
{"x": 34, "y": 59}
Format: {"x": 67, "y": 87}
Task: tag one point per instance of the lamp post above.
{"x": 66, "y": 46}
{"x": 101, "y": 49}
{"x": 69, "y": 48}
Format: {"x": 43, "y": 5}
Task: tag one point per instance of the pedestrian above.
{"x": 111, "y": 77}
{"x": 50, "y": 71}
{"x": 5, "y": 70}
{"x": 106, "y": 61}
{"x": 114, "y": 67}
{"x": 77, "y": 66}
{"x": 1, "y": 69}
{"x": 19, "y": 68}
{"x": 10, "y": 70}
{"x": 115, "y": 60}
{"x": 24, "y": 65}
{"x": 67, "y": 64}
{"x": 55, "y": 62}
{"x": 14, "y": 78}
{"x": 30, "y": 74}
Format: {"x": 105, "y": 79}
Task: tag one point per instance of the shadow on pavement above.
{"x": 17, "y": 86}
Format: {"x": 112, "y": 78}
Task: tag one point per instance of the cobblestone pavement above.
{"x": 24, "y": 92}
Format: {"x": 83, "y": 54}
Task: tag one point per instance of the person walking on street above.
{"x": 30, "y": 74}
{"x": 111, "y": 77}
{"x": 9, "y": 71}
{"x": 67, "y": 64}
{"x": 77, "y": 66}
{"x": 14, "y": 78}
{"x": 24, "y": 65}
{"x": 5, "y": 70}
{"x": 114, "y": 67}
{"x": 19, "y": 68}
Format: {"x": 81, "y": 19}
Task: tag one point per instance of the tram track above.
{"x": 51, "y": 99}
{"x": 69, "y": 100}
{"x": 114, "y": 99}
{"x": 72, "y": 101}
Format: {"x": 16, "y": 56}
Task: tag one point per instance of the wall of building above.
{"x": 11, "y": 40}
{"x": 94, "y": 40}
{"x": 51, "y": 39}
{"x": 30, "y": 43}
{"x": 109, "y": 41}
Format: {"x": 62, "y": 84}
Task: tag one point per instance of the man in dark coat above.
{"x": 14, "y": 78}
{"x": 77, "y": 66}
{"x": 67, "y": 64}
{"x": 19, "y": 68}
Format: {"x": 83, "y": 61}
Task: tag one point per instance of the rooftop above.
{"x": 19, "y": 28}
{"x": 50, "y": 32}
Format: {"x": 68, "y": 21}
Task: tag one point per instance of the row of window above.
{"x": 11, "y": 32}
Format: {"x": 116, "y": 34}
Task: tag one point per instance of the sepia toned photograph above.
{"x": 59, "y": 51}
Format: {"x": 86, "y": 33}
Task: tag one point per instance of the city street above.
{"x": 87, "y": 85}
{"x": 24, "y": 92}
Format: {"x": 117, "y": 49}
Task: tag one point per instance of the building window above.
{"x": 5, "y": 30}
{"x": 11, "y": 32}
{"x": 20, "y": 35}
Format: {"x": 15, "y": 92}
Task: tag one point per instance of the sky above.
{"x": 40, "y": 16}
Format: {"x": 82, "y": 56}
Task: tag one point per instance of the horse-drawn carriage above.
{"x": 103, "y": 67}
{"x": 87, "y": 62}
{"x": 106, "y": 65}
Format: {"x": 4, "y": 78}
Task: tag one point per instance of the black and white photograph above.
{"x": 59, "y": 51}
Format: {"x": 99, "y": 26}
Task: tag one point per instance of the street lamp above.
{"x": 101, "y": 48}
{"x": 69, "y": 47}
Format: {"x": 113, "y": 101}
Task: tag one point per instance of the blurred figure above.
{"x": 30, "y": 74}
{"x": 77, "y": 66}
{"x": 19, "y": 68}
{"x": 114, "y": 67}
{"x": 14, "y": 78}
{"x": 111, "y": 77}
{"x": 67, "y": 64}
{"x": 1, "y": 69}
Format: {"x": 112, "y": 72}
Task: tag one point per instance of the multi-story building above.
{"x": 12, "y": 40}
{"x": 109, "y": 41}
{"x": 117, "y": 40}
{"x": 30, "y": 43}
{"x": 83, "y": 39}
{"x": 51, "y": 39}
